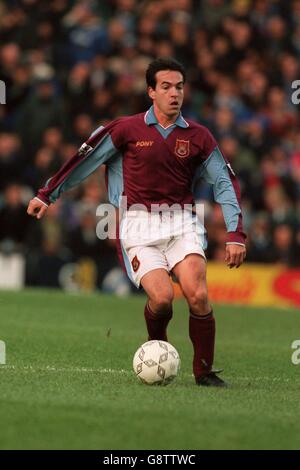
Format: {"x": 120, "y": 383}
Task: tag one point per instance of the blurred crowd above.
{"x": 70, "y": 66}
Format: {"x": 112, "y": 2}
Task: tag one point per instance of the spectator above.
{"x": 70, "y": 66}
{"x": 14, "y": 224}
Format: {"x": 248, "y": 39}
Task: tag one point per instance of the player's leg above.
{"x": 191, "y": 275}
{"x": 158, "y": 310}
{"x": 159, "y": 289}
{"x": 187, "y": 260}
{"x": 147, "y": 266}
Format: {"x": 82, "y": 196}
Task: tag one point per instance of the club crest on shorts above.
{"x": 182, "y": 148}
{"x": 135, "y": 264}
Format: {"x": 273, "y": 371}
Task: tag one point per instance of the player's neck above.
{"x": 164, "y": 120}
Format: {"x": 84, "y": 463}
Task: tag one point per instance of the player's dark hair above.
{"x": 164, "y": 63}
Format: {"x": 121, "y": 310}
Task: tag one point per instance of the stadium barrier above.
{"x": 12, "y": 271}
{"x": 252, "y": 284}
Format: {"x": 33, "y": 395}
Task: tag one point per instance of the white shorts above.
{"x": 158, "y": 246}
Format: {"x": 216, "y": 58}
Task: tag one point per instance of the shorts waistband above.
{"x": 147, "y": 214}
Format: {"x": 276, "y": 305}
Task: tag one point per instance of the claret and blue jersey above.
{"x": 150, "y": 164}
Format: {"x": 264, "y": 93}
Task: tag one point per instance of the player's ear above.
{"x": 151, "y": 92}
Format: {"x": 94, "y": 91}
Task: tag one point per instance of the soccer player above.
{"x": 152, "y": 161}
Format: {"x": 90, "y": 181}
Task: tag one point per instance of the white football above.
{"x": 156, "y": 362}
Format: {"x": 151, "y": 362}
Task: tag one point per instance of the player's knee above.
{"x": 162, "y": 302}
{"x": 198, "y": 301}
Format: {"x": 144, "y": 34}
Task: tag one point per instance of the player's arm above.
{"x": 100, "y": 148}
{"x": 218, "y": 172}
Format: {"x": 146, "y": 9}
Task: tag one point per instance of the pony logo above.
{"x": 144, "y": 143}
{"x": 182, "y": 148}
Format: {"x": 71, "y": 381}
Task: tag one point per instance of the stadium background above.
{"x": 66, "y": 360}
{"x": 70, "y": 66}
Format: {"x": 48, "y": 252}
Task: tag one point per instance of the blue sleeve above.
{"x": 214, "y": 170}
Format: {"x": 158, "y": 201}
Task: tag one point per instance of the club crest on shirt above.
{"x": 135, "y": 264}
{"x": 182, "y": 148}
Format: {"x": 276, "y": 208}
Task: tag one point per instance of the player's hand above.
{"x": 235, "y": 255}
{"x": 36, "y": 208}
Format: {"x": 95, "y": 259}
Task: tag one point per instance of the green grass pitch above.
{"x": 68, "y": 381}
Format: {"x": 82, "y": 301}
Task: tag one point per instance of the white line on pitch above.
{"x": 120, "y": 371}
{"x": 64, "y": 369}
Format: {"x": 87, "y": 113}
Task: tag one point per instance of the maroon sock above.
{"x": 157, "y": 323}
{"x": 202, "y": 333}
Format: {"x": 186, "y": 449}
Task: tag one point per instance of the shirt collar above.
{"x": 150, "y": 119}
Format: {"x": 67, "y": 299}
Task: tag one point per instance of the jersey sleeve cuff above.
{"x": 235, "y": 243}
{"x": 236, "y": 237}
{"x": 44, "y": 199}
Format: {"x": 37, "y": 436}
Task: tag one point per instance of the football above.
{"x": 156, "y": 362}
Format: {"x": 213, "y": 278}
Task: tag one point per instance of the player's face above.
{"x": 168, "y": 93}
